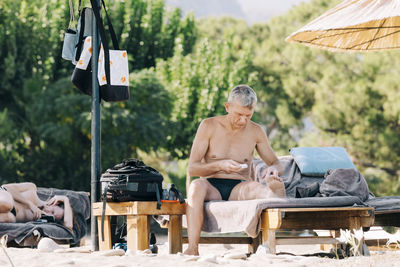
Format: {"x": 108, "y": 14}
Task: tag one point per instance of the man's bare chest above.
{"x": 238, "y": 147}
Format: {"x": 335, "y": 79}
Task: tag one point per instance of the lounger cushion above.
{"x": 316, "y": 161}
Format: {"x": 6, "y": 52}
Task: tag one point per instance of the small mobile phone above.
{"x": 47, "y": 218}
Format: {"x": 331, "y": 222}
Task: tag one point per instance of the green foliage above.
{"x": 48, "y": 147}
{"x": 286, "y": 75}
{"x": 183, "y": 71}
{"x": 26, "y": 27}
{"x": 279, "y": 109}
{"x": 141, "y": 123}
{"x": 55, "y": 149}
{"x": 357, "y": 107}
{"x": 45, "y": 122}
{"x": 200, "y": 83}
{"x": 147, "y": 29}
{"x": 352, "y": 99}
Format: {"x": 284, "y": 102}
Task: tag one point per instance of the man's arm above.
{"x": 197, "y": 167}
{"x": 267, "y": 154}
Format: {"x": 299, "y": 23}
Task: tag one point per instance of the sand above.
{"x": 211, "y": 255}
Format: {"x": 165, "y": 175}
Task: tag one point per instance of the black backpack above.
{"x": 130, "y": 180}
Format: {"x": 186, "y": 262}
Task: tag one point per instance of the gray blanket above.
{"x": 344, "y": 182}
{"x": 239, "y": 216}
{"x": 18, "y": 232}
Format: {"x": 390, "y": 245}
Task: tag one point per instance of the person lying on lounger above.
{"x": 19, "y": 202}
{"x": 221, "y": 155}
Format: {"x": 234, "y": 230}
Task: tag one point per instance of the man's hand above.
{"x": 230, "y": 166}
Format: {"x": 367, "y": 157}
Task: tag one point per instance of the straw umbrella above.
{"x": 354, "y": 25}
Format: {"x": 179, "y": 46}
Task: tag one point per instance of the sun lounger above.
{"x": 387, "y": 210}
{"x": 28, "y": 234}
{"x": 261, "y": 218}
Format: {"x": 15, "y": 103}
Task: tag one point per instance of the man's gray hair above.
{"x": 244, "y": 94}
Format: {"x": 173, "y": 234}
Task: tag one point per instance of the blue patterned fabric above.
{"x": 316, "y": 161}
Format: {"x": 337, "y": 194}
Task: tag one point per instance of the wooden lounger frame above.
{"x": 387, "y": 218}
{"x": 332, "y": 218}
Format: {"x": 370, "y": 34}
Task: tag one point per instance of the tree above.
{"x": 55, "y": 150}
{"x": 147, "y": 29}
{"x": 351, "y": 99}
{"x": 200, "y": 83}
{"x": 45, "y": 122}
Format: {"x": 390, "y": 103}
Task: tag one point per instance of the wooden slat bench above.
{"x": 138, "y": 227}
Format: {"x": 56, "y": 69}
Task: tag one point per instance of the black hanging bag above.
{"x": 84, "y": 29}
{"x": 82, "y": 74}
{"x": 82, "y": 79}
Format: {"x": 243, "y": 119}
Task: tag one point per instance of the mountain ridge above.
{"x": 252, "y": 11}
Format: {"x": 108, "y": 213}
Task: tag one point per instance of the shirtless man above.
{"x": 221, "y": 155}
{"x": 19, "y": 203}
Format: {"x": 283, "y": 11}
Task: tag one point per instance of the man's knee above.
{"x": 5, "y": 206}
{"x": 198, "y": 188}
{"x": 198, "y": 185}
{"x": 6, "y": 202}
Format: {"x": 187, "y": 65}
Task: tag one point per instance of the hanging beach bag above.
{"x": 70, "y": 36}
{"x": 84, "y": 29}
{"x": 114, "y": 80}
{"x": 82, "y": 75}
{"x": 113, "y": 71}
{"x": 74, "y": 37}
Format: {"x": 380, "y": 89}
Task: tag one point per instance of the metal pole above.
{"x": 96, "y": 132}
